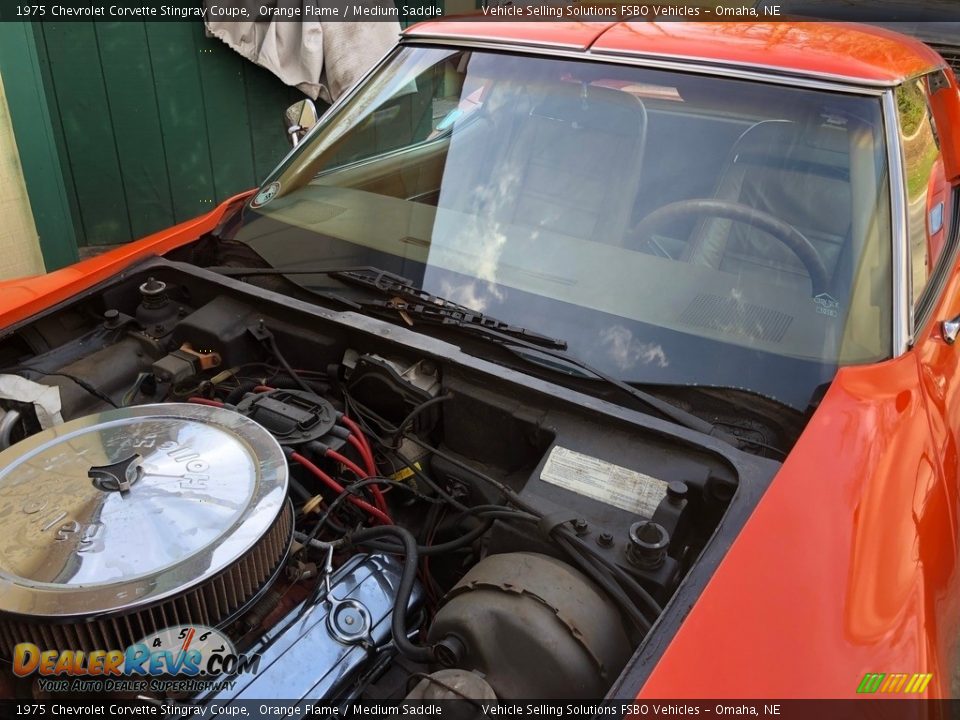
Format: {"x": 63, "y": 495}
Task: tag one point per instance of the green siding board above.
{"x": 84, "y": 112}
{"x": 228, "y": 124}
{"x": 150, "y": 123}
{"x": 60, "y": 144}
{"x": 182, "y": 118}
{"x": 134, "y": 114}
{"x": 33, "y": 127}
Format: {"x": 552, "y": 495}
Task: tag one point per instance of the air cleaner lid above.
{"x": 120, "y": 509}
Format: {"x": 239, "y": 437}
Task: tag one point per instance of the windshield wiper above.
{"x": 410, "y": 301}
{"x": 413, "y": 302}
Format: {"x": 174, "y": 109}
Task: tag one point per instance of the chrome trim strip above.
{"x": 409, "y": 36}
{"x": 775, "y": 69}
{"x": 702, "y": 68}
{"x": 903, "y": 318}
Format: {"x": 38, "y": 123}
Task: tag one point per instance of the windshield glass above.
{"x": 674, "y": 228}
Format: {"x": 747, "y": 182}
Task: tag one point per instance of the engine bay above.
{"x": 368, "y": 511}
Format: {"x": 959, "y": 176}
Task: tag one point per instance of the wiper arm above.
{"x": 405, "y": 298}
{"x": 413, "y": 302}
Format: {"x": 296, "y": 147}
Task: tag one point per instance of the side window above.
{"x": 928, "y": 193}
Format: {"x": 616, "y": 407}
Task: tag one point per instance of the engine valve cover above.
{"x": 319, "y": 650}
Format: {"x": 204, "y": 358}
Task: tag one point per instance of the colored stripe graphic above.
{"x": 871, "y": 682}
{"x": 894, "y": 682}
{"x": 918, "y": 683}
{"x": 915, "y": 683}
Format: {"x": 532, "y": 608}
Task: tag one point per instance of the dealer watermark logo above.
{"x": 901, "y": 683}
{"x": 186, "y": 657}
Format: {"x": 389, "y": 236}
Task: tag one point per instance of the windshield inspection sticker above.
{"x": 597, "y": 479}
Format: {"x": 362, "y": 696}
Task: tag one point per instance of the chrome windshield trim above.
{"x": 414, "y": 37}
{"x": 456, "y": 40}
{"x": 757, "y": 67}
{"x": 816, "y": 81}
{"x": 903, "y": 318}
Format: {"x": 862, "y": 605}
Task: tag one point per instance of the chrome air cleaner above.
{"x": 119, "y": 524}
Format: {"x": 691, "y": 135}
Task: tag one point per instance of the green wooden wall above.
{"x": 154, "y": 123}
{"x": 39, "y": 160}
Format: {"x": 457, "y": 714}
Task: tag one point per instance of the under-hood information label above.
{"x": 600, "y": 480}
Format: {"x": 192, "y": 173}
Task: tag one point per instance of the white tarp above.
{"x": 322, "y": 59}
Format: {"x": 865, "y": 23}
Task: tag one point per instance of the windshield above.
{"x": 674, "y": 228}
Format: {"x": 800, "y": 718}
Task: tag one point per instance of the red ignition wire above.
{"x": 355, "y": 429}
{"x": 379, "y": 512}
{"x": 338, "y": 488}
{"x": 362, "y": 449}
{"x": 205, "y": 401}
{"x": 377, "y": 493}
{"x": 348, "y": 463}
{"x": 375, "y": 490}
{"x": 362, "y": 445}
{"x": 366, "y": 452}
{"x": 378, "y": 499}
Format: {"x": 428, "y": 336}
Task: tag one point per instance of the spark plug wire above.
{"x": 338, "y": 488}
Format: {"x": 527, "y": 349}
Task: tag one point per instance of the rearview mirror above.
{"x": 298, "y": 119}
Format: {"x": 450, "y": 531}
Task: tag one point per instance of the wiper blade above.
{"x": 413, "y": 302}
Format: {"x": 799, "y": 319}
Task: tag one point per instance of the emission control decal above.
{"x": 600, "y": 480}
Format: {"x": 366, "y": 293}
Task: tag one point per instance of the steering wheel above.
{"x": 792, "y": 238}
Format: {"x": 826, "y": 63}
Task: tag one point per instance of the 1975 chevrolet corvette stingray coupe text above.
{"x": 561, "y": 360}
